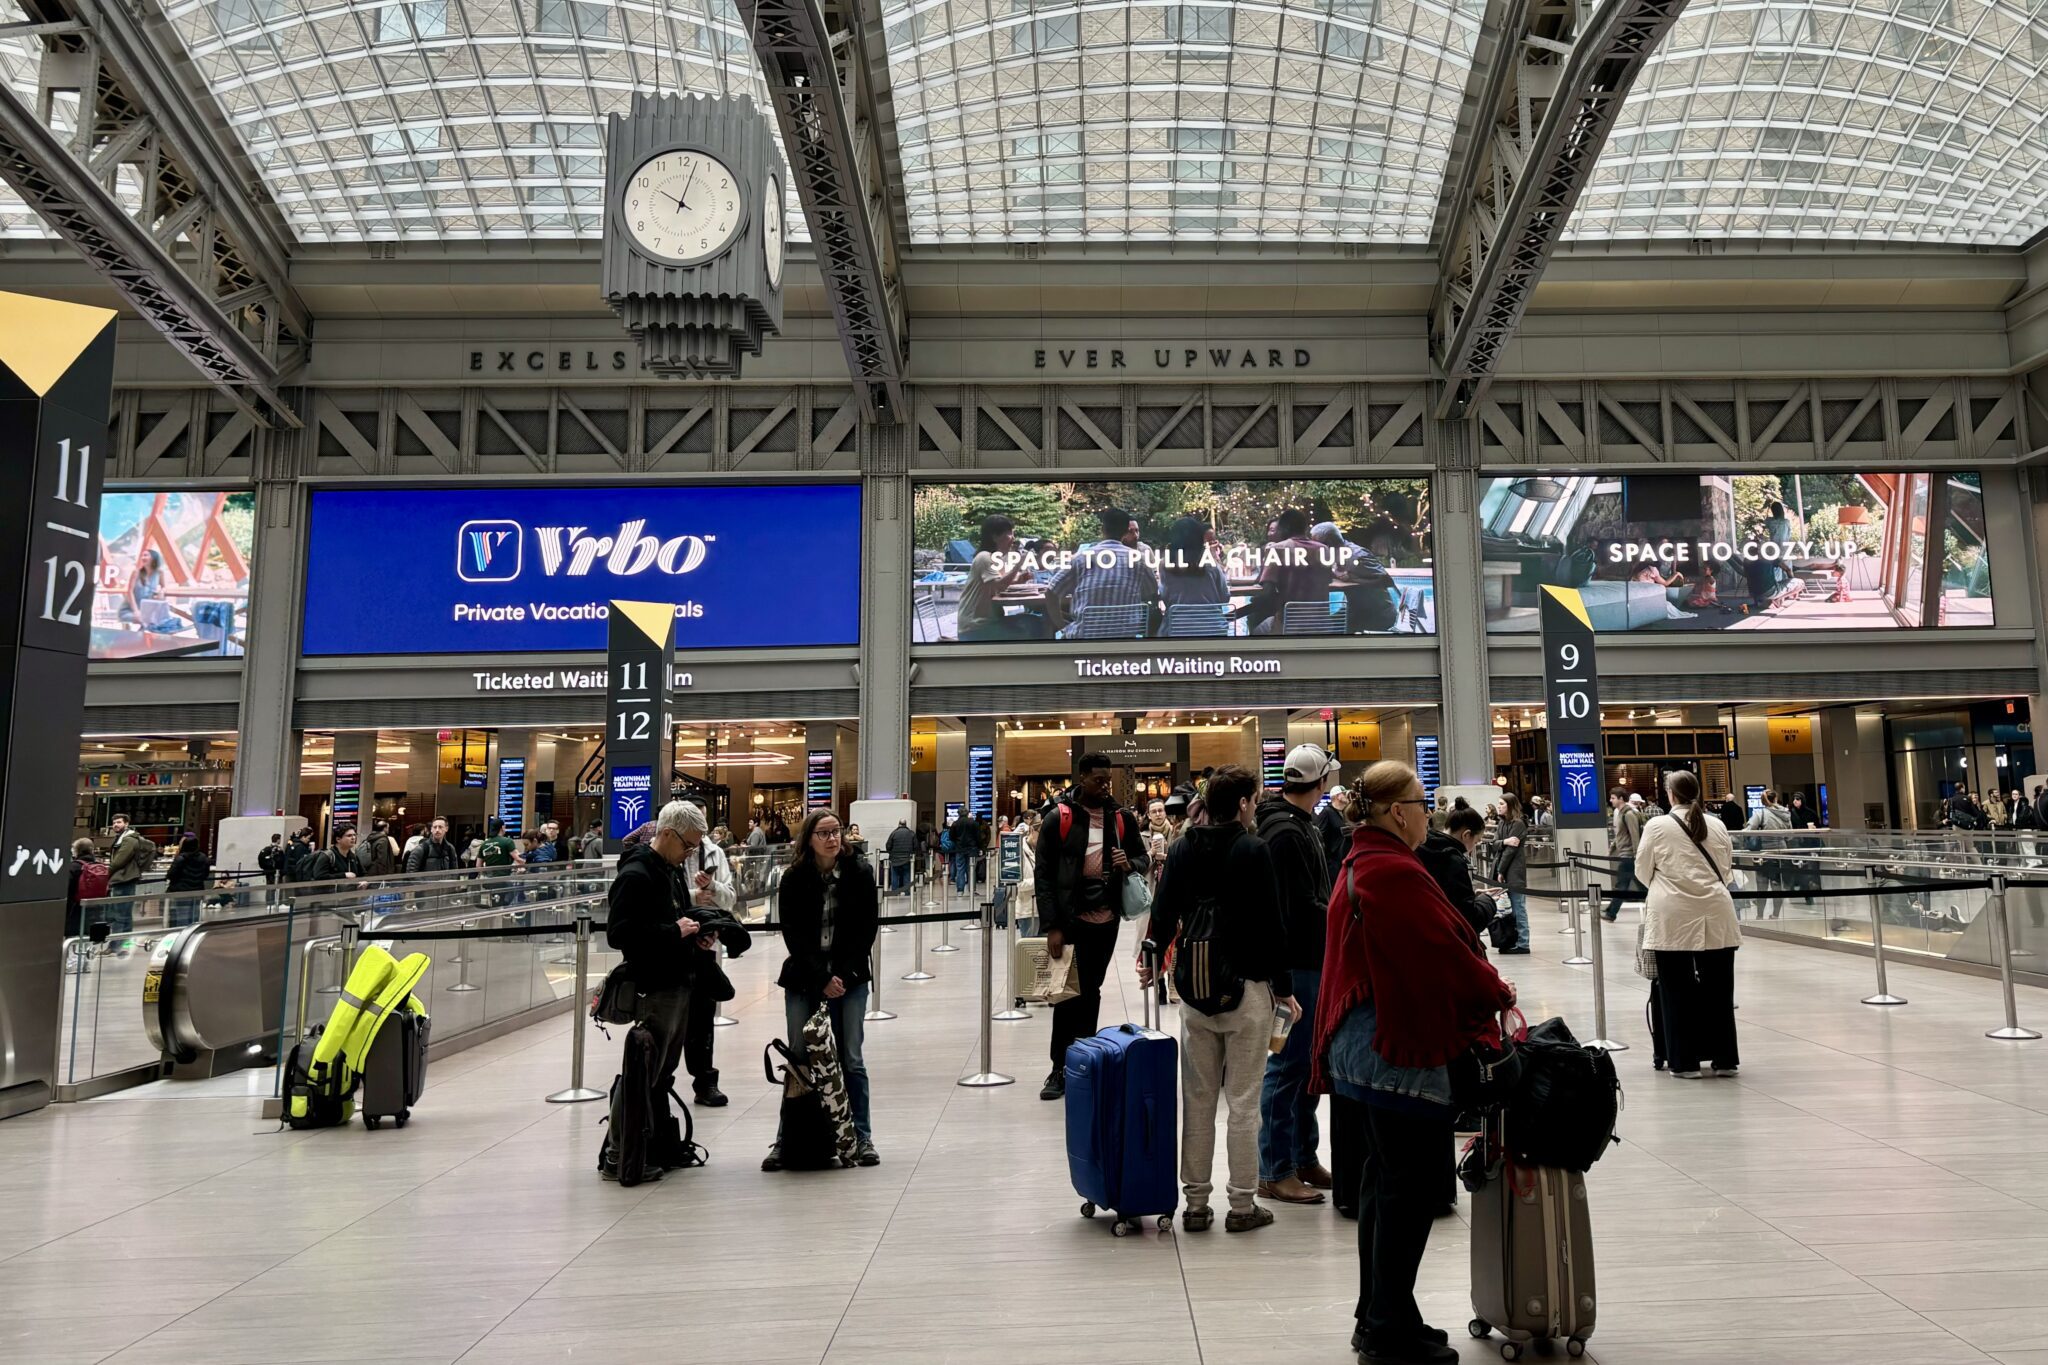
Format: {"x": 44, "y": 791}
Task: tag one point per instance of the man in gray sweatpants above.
{"x": 1218, "y": 896}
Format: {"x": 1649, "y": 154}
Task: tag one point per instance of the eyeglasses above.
{"x": 826, "y": 833}
{"x": 1410, "y": 801}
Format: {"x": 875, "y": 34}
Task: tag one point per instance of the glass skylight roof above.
{"x": 1060, "y": 120}
{"x": 449, "y": 118}
{"x": 1879, "y": 120}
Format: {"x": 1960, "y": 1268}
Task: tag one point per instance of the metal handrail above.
{"x": 358, "y": 931}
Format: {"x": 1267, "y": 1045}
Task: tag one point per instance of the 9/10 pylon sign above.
{"x": 639, "y": 735}
{"x": 1571, "y": 704}
{"x": 56, "y": 376}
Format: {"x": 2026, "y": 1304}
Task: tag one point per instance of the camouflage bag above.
{"x": 821, "y": 1052}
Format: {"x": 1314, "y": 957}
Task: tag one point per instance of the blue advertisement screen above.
{"x": 531, "y": 570}
{"x": 1579, "y": 775}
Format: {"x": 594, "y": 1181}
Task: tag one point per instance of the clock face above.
{"x": 771, "y": 231}
{"x": 683, "y": 206}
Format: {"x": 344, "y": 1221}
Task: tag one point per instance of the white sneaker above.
{"x": 1687, "y": 1075}
{"x": 1725, "y": 1070}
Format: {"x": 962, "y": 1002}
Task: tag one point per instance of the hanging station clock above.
{"x": 693, "y": 247}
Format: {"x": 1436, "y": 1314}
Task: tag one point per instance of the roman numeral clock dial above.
{"x": 683, "y": 206}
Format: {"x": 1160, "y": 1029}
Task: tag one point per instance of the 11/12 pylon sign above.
{"x": 639, "y": 735}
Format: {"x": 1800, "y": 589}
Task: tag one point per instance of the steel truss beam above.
{"x": 1542, "y": 123}
{"x": 817, "y": 66}
{"x": 192, "y": 255}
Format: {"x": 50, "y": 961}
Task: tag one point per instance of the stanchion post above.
{"x": 917, "y": 971}
{"x": 946, "y": 944}
{"x": 1884, "y": 995}
{"x": 876, "y": 1014}
{"x": 2001, "y": 944}
{"x": 719, "y": 1018}
{"x": 579, "y": 1025}
{"x": 988, "y": 1075}
{"x": 1010, "y": 1013}
{"x": 462, "y": 981}
{"x": 1575, "y": 879}
{"x": 1600, "y": 1040}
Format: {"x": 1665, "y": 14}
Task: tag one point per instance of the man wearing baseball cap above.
{"x": 1290, "y": 1170}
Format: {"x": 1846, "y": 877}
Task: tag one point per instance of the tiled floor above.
{"x": 1874, "y": 1189}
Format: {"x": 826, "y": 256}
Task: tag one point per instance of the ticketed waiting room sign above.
{"x": 534, "y": 569}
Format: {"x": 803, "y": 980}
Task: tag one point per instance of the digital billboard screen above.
{"x": 530, "y": 570}
{"x": 1172, "y": 559}
{"x": 1726, "y": 551}
{"x": 173, "y": 575}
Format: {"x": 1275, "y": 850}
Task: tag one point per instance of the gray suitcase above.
{"x": 1532, "y": 1259}
{"x": 395, "y": 1072}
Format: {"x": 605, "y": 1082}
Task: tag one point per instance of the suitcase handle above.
{"x": 1152, "y": 1012}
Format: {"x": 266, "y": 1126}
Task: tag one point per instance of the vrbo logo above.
{"x": 494, "y": 551}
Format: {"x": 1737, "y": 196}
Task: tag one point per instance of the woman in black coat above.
{"x": 189, "y": 871}
{"x": 829, "y": 913}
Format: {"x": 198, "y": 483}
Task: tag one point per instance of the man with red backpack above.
{"x": 1086, "y": 848}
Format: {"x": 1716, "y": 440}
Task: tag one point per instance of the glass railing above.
{"x": 115, "y": 1017}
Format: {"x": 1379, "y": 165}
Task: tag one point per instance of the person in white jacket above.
{"x": 1685, "y": 859}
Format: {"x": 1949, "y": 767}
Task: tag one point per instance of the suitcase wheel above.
{"x": 370, "y": 1123}
{"x": 1087, "y": 1209}
{"x": 1575, "y": 1347}
{"x": 1480, "y": 1329}
{"x": 403, "y": 1117}
{"x": 1166, "y": 1222}
{"x": 1510, "y": 1350}
{"x": 1120, "y": 1228}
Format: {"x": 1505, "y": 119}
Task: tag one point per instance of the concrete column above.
{"x": 1850, "y": 748}
{"x": 267, "y": 751}
{"x": 952, "y": 774}
{"x": 1466, "y": 741}
{"x": 884, "y": 766}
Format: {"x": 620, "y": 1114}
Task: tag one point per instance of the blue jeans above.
{"x": 847, "y": 1025}
{"x": 1288, "y": 1135}
{"x": 1518, "y": 901}
{"x": 959, "y": 871}
{"x": 899, "y": 878}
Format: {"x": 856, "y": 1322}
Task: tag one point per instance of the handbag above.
{"x": 1137, "y": 898}
{"x": 617, "y": 999}
{"x": 1646, "y": 959}
{"x": 1483, "y": 1076}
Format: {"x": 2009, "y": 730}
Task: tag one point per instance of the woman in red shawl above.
{"x": 1405, "y": 991}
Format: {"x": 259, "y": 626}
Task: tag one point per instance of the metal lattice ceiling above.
{"x": 1872, "y": 120}
{"x": 448, "y": 118}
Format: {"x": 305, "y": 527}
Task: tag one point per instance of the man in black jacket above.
{"x": 1219, "y": 881}
{"x": 1290, "y": 1169}
{"x": 1086, "y": 847}
{"x": 433, "y": 853}
{"x": 337, "y": 863}
{"x": 662, "y": 948}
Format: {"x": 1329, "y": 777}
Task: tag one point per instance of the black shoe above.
{"x": 1423, "y": 1350}
{"x": 1610, "y": 918}
{"x": 866, "y": 1155}
{"x": 711, "y": 1097}
{"x": 1348, "y": 1211}
{"x": 772, "y": 1161}
{"x": 1055, "y": 1087}
{"x": 1511, "y": 952}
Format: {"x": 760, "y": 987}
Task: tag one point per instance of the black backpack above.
{"x": 314, "y": 1100}
{"x": 630, "y": 1148}
{"x": 1564, "y": 1108}
{"x": 1203, "y": 973}
{"x": 809, "y": 1140}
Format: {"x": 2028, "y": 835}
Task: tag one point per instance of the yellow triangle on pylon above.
{"x": 654, "y": 619}
{"x": 40, "y": 338}
{"x": 1573, "y": 603}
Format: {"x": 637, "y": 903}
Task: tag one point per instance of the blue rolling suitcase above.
{"x": 1123, "y": 1104}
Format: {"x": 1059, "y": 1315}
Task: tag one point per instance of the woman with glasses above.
{"x": 1406, "y": 992}
{"x": 829, "y": 912}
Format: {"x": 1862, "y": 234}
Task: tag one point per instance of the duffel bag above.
{"x": 1563, "y": 1110}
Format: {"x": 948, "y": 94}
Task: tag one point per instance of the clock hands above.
{"x": 683, "y": 201}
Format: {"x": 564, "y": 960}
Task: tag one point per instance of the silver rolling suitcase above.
{"x": 1532, "y": 1255}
